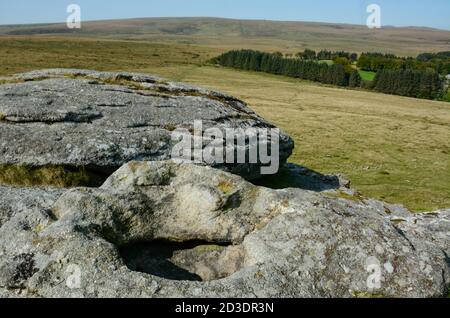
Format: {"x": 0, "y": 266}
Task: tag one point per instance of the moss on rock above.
{"x": 57, "y": 176}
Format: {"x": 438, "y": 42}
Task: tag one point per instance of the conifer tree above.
{"x": 355, "y": 79}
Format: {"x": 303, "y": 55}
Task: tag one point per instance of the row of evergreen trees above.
{"x": 308, "y": 54}
{"x": 329, "y": 55}
{"x": 274, "y": 64}
{"x": 413, "y": 83}
{"x": 409, "y": 82}
{"x": 439, "y": 62}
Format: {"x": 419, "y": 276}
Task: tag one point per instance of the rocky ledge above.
{"x": 159, "y": 228}
{"x": 100, "y": 121}
{"x": 164, "y": 229}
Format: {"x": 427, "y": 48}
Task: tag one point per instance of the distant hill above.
{"x": 256, "y": 34}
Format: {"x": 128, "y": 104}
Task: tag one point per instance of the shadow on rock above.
{"x": 188, "y": 261}
{"x": 155, "y": 259}
{"x": 295, "y": 176}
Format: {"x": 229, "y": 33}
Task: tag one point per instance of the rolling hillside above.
{"x": 256, "y": 34}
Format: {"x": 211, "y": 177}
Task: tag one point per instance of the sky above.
{"x": 430, "y": 13}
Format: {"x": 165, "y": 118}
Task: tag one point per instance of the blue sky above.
{"x": 431, "y": 13}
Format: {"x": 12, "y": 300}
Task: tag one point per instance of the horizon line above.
{"x": 227, "y": 18}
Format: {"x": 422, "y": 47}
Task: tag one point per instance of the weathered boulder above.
{"x": 163, "y": 229}
{"x": 16, "y": 200}
{"x": 100, "y": 120}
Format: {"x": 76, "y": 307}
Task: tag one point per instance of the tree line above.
{"x": 421, "y": 83}
{"x": 412, "y": 83}
{"x": 439, "y": 62}
{"x": 331, "y": 55}
{"x": 275, "y": 64}
{"x": 322, "y": 55}
{"x": 374, "y": 61}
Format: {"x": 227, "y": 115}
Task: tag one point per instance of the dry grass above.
{"x": 392, "y": 148}
{"x": 103, "y": 55}
{"x": 57, "y": 176}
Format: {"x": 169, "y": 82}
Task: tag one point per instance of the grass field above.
{"x": 392, "y": 148}
{"x": 367, "y": 76}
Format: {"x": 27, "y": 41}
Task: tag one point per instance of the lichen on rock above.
{"x": 79, "y": 118}
{"x": 153, "y": 227}
{"x": 165, "y": 229}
